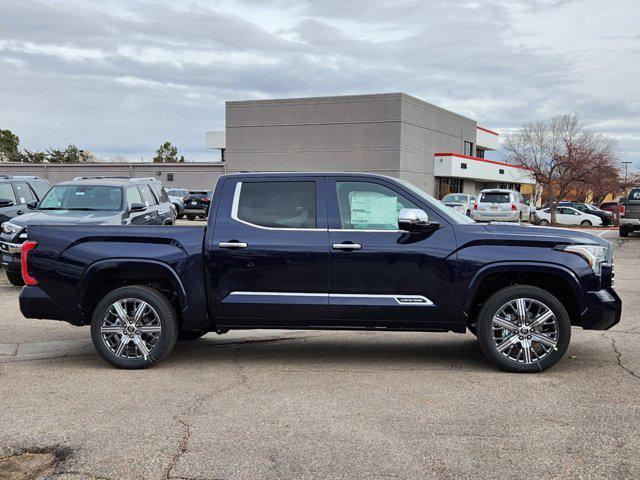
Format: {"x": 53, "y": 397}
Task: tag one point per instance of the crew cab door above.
{"x": 380, "y": 275}
{"x": 268, "y": 256}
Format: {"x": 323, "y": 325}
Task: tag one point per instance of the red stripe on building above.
{"x": 487, "y": 130}
{"x": 478, "y": 159}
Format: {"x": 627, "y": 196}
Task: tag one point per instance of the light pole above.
{"x": 626, "y": 171}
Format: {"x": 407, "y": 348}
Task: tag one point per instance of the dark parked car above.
{"x": 323, "y": 251}
{"x": 87, "y": 201}
{"x": 630, "y": 213}
{"x": 17, "y": 191}
{"x": 197, "y": 203}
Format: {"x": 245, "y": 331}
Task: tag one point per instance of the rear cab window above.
{"x": 276, "y": 204}
{"x": 634, "y": 195}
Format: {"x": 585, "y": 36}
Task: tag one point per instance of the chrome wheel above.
{"x": 525, "y": 330}
{"x": 131, "y": 328}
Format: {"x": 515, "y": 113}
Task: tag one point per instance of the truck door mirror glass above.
{"x": 5, "y": 202}
{"x": 32, "y": 205}
{"x": 416, "y": 220}
{"x": 137, "y": 207}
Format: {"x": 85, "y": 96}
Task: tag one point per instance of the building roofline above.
{"x": 459, "y": 155}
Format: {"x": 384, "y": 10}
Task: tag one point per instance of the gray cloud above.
{"x": 123, "y": 76}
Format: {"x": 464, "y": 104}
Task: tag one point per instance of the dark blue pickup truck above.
{"x": 322, "y": 251}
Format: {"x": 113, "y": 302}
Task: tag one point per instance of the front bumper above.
{"x": 10, "y": 259}
{"x": 603, "y": 311}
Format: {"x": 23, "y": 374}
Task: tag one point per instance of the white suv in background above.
{"x": 460, "y": 202}
{"x": 500, "y": 204}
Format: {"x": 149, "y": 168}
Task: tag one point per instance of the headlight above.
{"x": 595, "y": 255}
{"x": 11, "y": 228}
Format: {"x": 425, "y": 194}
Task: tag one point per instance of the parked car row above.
{"x": 27, "y": 200}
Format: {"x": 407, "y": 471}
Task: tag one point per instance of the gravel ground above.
{"x": 275, "y": 404}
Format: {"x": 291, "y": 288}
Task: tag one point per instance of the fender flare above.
{"x": 512, "y": 266}
{"x": 111, "y": 263}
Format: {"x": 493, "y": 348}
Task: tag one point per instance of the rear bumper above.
{"x": 630, "y": 222}
{"x": 603, "y": 310}
{"x": 195, "y": 211}
{"x": 35, "y": 303}
{"x": 511, "y": 216}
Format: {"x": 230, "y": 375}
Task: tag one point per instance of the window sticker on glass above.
{"x": 368, "y": 208}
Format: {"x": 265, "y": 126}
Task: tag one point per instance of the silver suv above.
{"x": 500, "y": 204}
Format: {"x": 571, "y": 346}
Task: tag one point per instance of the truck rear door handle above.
{"x": 346, "y": 246}
{"x": 233, "y": 245}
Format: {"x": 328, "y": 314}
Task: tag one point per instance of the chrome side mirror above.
{"x": 416, "y": 220}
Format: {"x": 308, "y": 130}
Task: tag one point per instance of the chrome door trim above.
{"x": 339, "y": 298}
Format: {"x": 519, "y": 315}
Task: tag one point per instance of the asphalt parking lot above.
{"x": 269, "y": 404}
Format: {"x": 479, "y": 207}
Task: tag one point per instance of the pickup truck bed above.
{"x": 329, "y": 251}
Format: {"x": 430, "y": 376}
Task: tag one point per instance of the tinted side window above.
{"x": 369, "y": 206}
{"x": 133, "y": 196}
{"x": 276, "y": 204}
{"x": 6, "y": 192}
{"x": 159, "y": 192}
{"x": 41, "y": 187}
{"x": 24, "y": 193}
{"x": 147, "y": 196}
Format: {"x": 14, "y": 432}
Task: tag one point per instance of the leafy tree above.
{"x": 9, "y": 143}
{"x": 167, "y": 153}
{"x": 562, "y": 155}
{"x": 33, "y": 157}
{"x": 69, "y": 155}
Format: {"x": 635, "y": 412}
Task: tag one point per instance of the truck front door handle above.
{"x": 346, "y": 246}
{"x": 233, "y": 245}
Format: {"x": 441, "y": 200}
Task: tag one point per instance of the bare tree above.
{"x": 561, "y": 155}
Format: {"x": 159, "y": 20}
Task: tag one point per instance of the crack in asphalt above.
{"x": 192, "y": 410}
{"x": 619, "y": 357}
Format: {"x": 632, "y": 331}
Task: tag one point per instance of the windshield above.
{"x": 494, "y": 198}
{"x": 82, "y": 197}
{"x": 449, "y": 213}
{"x": 453, "y": 197}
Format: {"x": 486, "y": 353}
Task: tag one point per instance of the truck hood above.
{"x": 547, "y": 235}
{"x": 67, "y": 217}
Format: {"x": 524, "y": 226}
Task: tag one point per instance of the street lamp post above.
{"x": 626, "y": 172}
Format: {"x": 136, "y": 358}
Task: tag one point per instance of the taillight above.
{"x": 185, "y": 199}
{"x": 622, "y": 210}
{"x": 206, "y": 200}
{"x": 513, "y": 207}
{"x": 475, "y": 205}
{"x": 24, "y": 260}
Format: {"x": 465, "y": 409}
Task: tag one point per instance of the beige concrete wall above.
{"x": 186, "y": 175}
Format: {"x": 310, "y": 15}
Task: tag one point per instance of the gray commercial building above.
{"x": 392, "y": 134}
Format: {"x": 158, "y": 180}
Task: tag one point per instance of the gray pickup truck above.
{"x": 630, "y": 213}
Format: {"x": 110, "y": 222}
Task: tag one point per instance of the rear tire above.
{"x": 511, "y": 348}
{"x": 191, "y": 218}
{"x": 624, "y": 232}
{"x": 156, "y": 329}
{"x": 15, "y": 279}
{"x": 586, "y": 223}
{"x": 468, "y": 213}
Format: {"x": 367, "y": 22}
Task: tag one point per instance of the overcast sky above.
{"x": 123, "y": 76}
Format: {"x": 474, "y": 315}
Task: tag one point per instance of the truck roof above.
{"x": 109, "y": 182}
{"x": 305, "y": 174}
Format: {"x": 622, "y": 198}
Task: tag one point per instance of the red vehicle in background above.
{"x": 613, "y": 207}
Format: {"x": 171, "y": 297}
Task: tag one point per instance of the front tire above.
{"x": 191, "y": 218}
{"x": 624, "y": 232}
{"x": 523, "y": 329}
{"x": 586, "y": 223}
{"x": 15, "y": 279}
{"x": 544, "y": 222}
{"x": 134, "y": 327}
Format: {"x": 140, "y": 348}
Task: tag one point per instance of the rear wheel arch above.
{"x": 105, "y": 276}
{"x": 556, "y": 280}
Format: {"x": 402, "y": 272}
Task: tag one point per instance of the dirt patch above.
{"x": 31, "y": 464}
